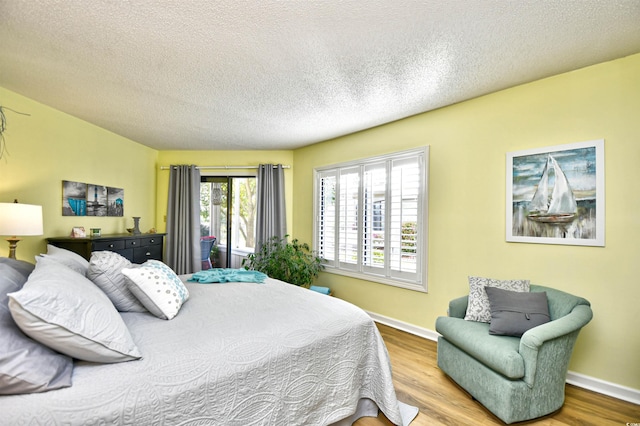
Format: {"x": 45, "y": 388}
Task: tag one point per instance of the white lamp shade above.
{"x": 20, "y": 219}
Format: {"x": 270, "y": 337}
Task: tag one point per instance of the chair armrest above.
{"x": 534, "y": 339}
{"x": 575, "y": 320}
{"x": 458, "y": 307}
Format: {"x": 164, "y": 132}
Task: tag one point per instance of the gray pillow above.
{"x": 478, "y": 307}
{"x": 24, "y": 268}
{"x": 65, "y": 311}
{"x": 105, "y": 270}
{"x": 26, "y": 366}
{"x": 513, "y": 313}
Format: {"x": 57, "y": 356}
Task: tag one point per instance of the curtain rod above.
{"x": 225, "y": 167}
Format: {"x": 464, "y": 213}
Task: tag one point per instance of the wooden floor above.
{"x": 421, "y": 383}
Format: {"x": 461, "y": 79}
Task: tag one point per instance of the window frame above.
{"x": 360, "y": 269}
{"x": 233, "y": 252}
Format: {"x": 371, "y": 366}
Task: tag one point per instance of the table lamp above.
{"x": 19, "y": 220}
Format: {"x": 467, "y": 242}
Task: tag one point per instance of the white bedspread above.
{"x": 236, "y": 354}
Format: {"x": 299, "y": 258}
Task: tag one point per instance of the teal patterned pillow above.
{"x": 157, "y": 287}
{"x": 478, "y": 308}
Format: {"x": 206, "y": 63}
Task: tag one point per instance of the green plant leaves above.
{"x": 292, "y": 262}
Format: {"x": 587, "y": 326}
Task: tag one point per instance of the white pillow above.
{"x": 157, "y": 287}
{"x": 478, "y": 308}
{"x": 105, "y": 270}
{"x": 65, "y": 311}
{"x": 67, "y": 258}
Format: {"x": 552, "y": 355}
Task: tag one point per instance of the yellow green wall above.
{"x": 467, "y": 195}
{"x": 49, "y": 146}
{"x": 223, "y": 158}
{"x": 467, "y": 205}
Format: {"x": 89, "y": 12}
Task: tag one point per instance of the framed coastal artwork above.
{"x": 96, "y": 200}
{"x": 74, "y": 198}
{"x": 86, "y": 199}
{"x": 555, "y": 195}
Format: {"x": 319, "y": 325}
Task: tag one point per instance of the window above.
{"x": 228, "y": 212}
{"x": 371, "y": 218}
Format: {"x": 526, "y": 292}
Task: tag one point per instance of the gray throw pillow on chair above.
{"x": 513, "y": 313}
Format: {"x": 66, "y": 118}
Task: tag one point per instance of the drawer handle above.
{"x": 148, "y": 254}
{"x": 110, "y": 245}
{"x": 133, "y": 243}
{"x": 152, "y": 241}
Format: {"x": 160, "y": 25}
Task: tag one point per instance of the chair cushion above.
{"x": 499, "y": 353}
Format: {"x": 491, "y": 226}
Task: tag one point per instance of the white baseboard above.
{"x": 580, "y": 380}
{"x": 404, "y": 326}
{"x": 606, "y": 388}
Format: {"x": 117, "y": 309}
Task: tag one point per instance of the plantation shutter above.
{"x": 326, "y": 217}
{"x": 370, "y": 218}
{"x": 404, "y": 220}
{"x": 374, "y": 229}
{"x": 348, "y": 224}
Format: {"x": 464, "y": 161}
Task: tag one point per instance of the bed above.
{"x": 237, "y": 353}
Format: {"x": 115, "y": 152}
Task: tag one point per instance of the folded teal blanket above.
{"x": 223, "y": 275}
{"x": 323, "y": 290}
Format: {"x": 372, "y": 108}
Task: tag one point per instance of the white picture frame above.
{"x": 556, "y": 195}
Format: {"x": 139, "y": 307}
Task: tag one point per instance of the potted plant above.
{"x": 292, "y": 262}
{"x": 214, "y": 256}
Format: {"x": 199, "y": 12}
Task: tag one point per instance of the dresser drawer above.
{"x": 142, "y": 254}
{"x": 114, "y": 245}
{"x": 132, "y": 243}
{"x": 150, "y": 241}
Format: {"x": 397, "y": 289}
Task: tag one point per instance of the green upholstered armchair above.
{"x": 516, "y": 378}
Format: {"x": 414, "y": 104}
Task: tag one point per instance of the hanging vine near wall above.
{"x": 3, "y": 127}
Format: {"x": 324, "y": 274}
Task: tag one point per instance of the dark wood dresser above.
{"x": 137, "y": 248}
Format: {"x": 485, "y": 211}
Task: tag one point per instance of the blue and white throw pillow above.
{"x": 157, "y": 287}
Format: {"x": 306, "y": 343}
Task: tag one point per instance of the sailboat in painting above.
{"x": 553, "y": 206}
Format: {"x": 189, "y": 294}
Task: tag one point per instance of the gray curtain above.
{"x": 183, "y": 220}
{"x": 271, "y": 214}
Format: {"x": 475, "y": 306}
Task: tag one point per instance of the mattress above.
{"x": 236, "y": 354}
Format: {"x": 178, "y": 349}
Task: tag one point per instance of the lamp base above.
{"x": 13, "y": 243}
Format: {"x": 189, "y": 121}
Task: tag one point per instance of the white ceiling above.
{"x": 280, "y": 74}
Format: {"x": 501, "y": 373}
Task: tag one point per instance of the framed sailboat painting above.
{"x": 555, "y": 195}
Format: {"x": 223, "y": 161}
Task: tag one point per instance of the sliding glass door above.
{"x": 228, "y": 213}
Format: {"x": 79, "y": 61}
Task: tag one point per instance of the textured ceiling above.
{"x": 280, "y": 74}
